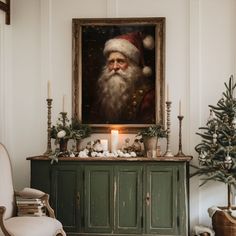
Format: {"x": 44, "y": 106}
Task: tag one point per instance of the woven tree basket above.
{"x": 224, "y": 224}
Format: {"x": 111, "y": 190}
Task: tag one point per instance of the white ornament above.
{"x": 133, "y": 154}
{"x": 202, "y": 156}
{"x": 127, "y": 155}
{"x": 228, "y": 158}
{"x": 93, "y": 154}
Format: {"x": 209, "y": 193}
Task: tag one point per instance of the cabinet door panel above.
{"x": 98, "y": 199}
{"x": 128, "y": 199}
{"x": 64, "y": 192}
{"x": 161, "y": 200}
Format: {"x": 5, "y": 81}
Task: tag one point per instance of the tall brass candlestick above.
{"x": 168, "y": 152}
{"x": 180, "y": 153}
{"x": 49, "y": 147}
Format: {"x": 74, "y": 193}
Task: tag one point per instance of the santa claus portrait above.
{"x": 120, "y": 78}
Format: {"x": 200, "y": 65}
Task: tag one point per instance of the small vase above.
{"x": 150, "y": 146}
{"x": 63, "y": 145}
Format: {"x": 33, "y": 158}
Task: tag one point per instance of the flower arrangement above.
{"x": 62, "y": 130}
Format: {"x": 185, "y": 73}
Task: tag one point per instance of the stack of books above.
{"x": 30, "y": 207}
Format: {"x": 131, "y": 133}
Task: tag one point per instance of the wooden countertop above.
{"x": 144, "y": 159}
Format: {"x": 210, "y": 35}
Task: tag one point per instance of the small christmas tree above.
{"x": 217, "y": 150}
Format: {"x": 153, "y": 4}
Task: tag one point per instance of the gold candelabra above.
{"x": 49, "y": 107}
{"x": 168, "y": 152}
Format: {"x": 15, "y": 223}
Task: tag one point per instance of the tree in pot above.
{"x": 149, "y": 136}
{"x": 217, "y": 155}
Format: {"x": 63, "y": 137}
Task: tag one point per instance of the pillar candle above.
{"x": 114, "y": 140}
{"x": 49, "y": 89}
{"x": 63, "y": 103}
{"x": 104, "y": 143}
{"x": 168, "y": 93}
{"x": 179, "y": 107}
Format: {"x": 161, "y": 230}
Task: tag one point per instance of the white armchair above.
{"x": 10, "y": 223}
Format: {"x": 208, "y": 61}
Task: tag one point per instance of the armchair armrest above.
{"x": 45, "y": 199}
{"x": 35, "y": 193}
{"x": 2, "y": 226}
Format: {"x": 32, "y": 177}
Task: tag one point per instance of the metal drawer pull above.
{"x": 78, "y": 199}
{"x": 148, "y": 199}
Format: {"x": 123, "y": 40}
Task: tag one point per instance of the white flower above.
{"x": 61, "y": 134}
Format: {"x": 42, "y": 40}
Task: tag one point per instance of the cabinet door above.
{"x": 65, "y": 195}
{"x": 128, "y": 199}
{"x": 162, "y": 200}
{"x": 98, "y": 198}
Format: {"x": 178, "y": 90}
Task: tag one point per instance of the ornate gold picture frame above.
{"x": 118, "y": 72}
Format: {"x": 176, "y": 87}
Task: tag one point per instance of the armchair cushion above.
{"x": 33, "y": 226}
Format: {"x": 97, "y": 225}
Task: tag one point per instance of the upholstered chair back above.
{"x": 6, "y": 185}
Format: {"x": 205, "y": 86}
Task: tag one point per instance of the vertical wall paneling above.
{"x": 2, "y": 85}
{"x": 5, "y": 82}
{"x": 46, "y": 55}
{"x": 111, "y": 8}
{"x": 194, "y": 96}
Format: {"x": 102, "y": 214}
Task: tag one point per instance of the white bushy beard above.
{"x": 115, "y": 89}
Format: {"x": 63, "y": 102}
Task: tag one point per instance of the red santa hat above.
{"x": 132, "y": 46}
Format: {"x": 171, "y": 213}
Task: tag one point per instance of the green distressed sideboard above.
{"x": 116, "y": 196}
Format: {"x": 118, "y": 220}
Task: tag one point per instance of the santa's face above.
{"x": 115, "y": 86}
{"x": 117, "y": 61}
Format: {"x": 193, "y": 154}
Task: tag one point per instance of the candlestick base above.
{"x": 180, "y": 154}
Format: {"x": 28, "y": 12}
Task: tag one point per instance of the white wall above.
{"x": 200, "y": 56}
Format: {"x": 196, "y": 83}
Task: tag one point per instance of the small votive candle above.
{"x": 114, "y": 140}
{"x": 104, "y": 143}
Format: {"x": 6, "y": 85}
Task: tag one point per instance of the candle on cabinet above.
{"x": 49, "y": 89}
{"x": 179, "y": 107}
{"x": 63, "y": 103}
{"x": 114, "y": 140}
{"x": 104, "y": 143}
{"x": 168, "y": 98}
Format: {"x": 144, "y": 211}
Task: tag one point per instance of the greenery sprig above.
{"x": 156, "y": 130}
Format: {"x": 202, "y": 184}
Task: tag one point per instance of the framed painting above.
{"x": 118, "y": 72}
